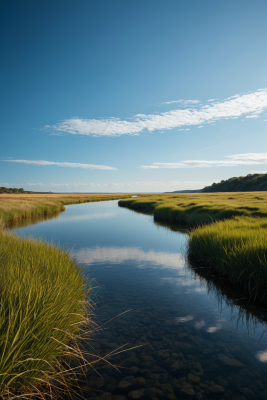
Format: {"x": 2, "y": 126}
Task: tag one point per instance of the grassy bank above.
{"x": 18, "y": 206}
{"x": 230, "y": 233}
{"x": 193, "y": 209}
{"x": 43, "y": 300}
{"x": 237, "y": 249}
{"x": 43, "y": 297}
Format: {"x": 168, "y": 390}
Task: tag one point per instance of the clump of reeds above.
{"x": 43, "y": 308}
{"x": 235, "y": 248}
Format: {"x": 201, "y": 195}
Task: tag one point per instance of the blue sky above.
{"x": 128, "y": 96}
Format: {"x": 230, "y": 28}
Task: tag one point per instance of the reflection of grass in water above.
{"x": 247, "y": 230}
{"x": 22, "y": 223}
{"x": 234, "y": 243}
{"x": 226, "y": 296}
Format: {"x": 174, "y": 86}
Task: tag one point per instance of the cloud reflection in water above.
{"x": 143, "y": 259}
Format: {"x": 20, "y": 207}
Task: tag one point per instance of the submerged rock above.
{"x": 135, "y": 394}
{"x": 230, "y": 362}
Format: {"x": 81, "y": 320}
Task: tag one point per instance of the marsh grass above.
{"x": 229, "y": 233}
{"x": 192, "y": 209}
{"x": 236, "y": 248}
{"x": 18, "y": 206}
{"x": 43, "y": 309}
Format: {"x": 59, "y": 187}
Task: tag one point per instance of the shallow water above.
{"x": 199, "y": 338}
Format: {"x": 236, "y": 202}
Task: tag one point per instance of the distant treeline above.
{"x": 249, "y": 183}
{"x": 12, "y": 190}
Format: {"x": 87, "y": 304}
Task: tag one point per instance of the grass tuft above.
{"x": 236, "y": 248}
{"x": 43, "y": 307}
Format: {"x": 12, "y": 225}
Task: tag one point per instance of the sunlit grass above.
{"x": 231, "y": 233}
{"x": 236, "y": 248}
{"x": 200, "y": 208}
{"x": 43, "y": 307}
{"x": 18, "y": 206}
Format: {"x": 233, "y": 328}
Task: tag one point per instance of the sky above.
{"x": 132, "y": 95}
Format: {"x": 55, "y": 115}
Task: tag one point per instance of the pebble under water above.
{"x": 186, "y": 335}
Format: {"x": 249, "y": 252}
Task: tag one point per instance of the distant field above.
{"x": 17, "y": 206}
{"x": 228, "y": 232}
{"x": 198, "y": 208}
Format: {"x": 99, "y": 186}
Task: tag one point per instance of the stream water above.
{"x": 198, "y": 337}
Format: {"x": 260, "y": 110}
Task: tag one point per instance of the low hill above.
{"x": 12, "y": 190}
{"x": 249, "y": 183}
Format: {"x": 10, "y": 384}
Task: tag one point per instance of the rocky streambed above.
{"x": 175, "y": 360}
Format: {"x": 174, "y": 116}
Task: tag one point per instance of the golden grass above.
{"x": 197, "y": 208}
{"x": 17, "y": 206}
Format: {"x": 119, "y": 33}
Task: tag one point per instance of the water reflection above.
{"x": 142, "y": 259}
{"x": 23, "y": 223}
{"x": 228, "y": 296}
{"x": 77, "y": 218}
{"x": 199, "y": 337}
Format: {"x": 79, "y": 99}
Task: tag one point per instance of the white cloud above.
{"x": 185, "y": 102}
{"x": 262, "y": 356}
{"x": 211, "y": 100}
{"x": 233, "y": 107}
{"x": 213, "y": 329}
{"x": 46, "y": 184}
{"x": 141, "y": 258}
{"x": 62, "y": 164}
{"x": 184, "y": 319}
{"x": 201, "y": 126}
{"x": 86, "y": 217}
{"x": 230, "y": 161}
{"x": 252, "y": 116}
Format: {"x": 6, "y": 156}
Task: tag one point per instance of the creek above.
{"x": 190, "y": 335}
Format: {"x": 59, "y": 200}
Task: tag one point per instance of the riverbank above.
{"x": 44, "y": 306}
{"x": 229, "y": 233}
{"x": 19, "y": 206}
{"x": 44, "y": 301}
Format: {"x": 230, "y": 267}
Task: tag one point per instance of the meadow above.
{"x": 19, "y": 206}
{"x": 44, "y": 303}
{"x": 227, "y": 232}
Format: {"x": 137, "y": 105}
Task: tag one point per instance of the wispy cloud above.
{"x": 236, "y": 106}
{"x": 229, "y": 161}
{"x": 62, "y": 164}
{"x": 184, "y": 102}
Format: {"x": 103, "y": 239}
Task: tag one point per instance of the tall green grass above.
{"x": 235, "y": 248}
{"x": 231, "y": 233}
{"x": 192, "y": 209}
{"x": 43, "y": 307}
